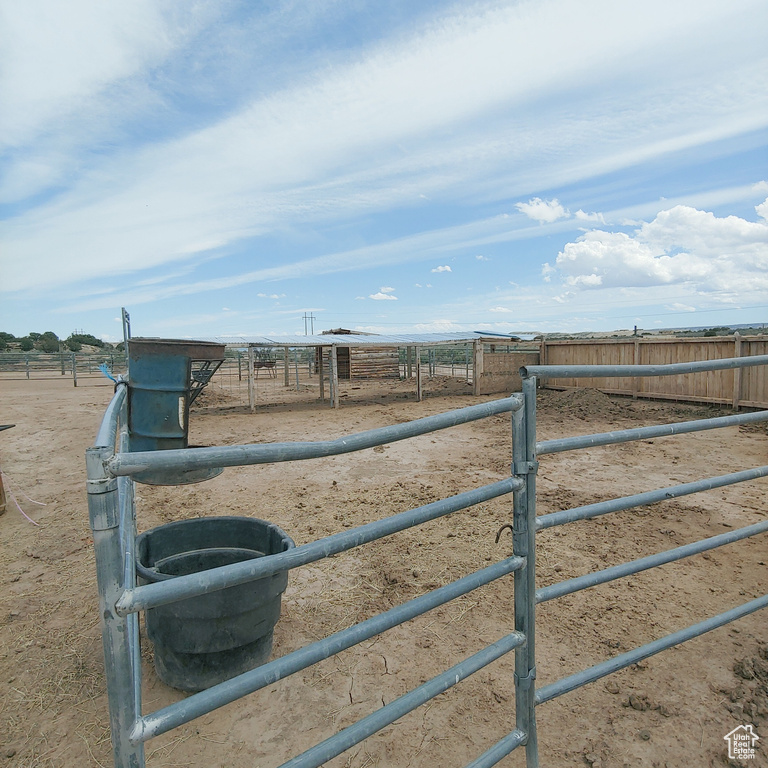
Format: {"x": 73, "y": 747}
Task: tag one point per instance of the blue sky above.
{"x": 226, "y": 167}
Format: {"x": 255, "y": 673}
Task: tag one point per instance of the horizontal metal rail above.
{"x": 642, "y": 433}
{"x": 107, "y": 433}
{"x": 362, "y": 729}
{"x": 569, "y": 586}
{"x": 572, "y": 682}
{"x": 638, "y": 371}
{"x": 217, "y": 696}
{"x": 648, "y": 497}
{"x": 499, "y": 750}
{"x": 265, "y": 453}
{"x": 168, "y": 591}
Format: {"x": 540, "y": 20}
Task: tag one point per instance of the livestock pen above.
{"x": 112, "y": 513}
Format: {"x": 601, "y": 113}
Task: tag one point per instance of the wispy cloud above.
{"x": 265, "y": 166}
{"x": 189, "y": 150}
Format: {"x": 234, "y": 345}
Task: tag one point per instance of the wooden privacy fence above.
{"x": 746, "y": 387}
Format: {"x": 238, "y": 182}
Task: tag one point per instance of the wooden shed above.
{"x": 364, "y": 362}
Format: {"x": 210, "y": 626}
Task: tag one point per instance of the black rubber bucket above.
{"x": 202, "y": 641}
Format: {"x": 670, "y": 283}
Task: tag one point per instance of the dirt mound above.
{"x": 582, "y": 404}
{"x": 749, "y": 698}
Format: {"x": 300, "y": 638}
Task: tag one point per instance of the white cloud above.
{"x": 480, "y": 257}
{"x": 271, "y": 295}
{"x": 500, "y": 309}
{"x": 259, "y": 168}
{"x": 678, "y": 307}
{"x": 582, "y": 216}
{"x": 444, "y": 268}
{"x": 547, "y": 270}
{"x": 386, "y": 289}
{"x": 380, "y": 296}
{"x": 543, "y": 210}
{"x": 682, "y": 245}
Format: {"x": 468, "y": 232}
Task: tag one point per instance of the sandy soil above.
{"x": 672, "y": 710}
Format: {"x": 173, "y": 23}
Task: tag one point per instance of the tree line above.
{"x": 48, "y": 342}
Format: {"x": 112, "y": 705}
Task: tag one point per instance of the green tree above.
{"x": 48, "y": 342}
{"x": 25, "y": 344}
{"x": 85, "y": 338}
{"x": 34, "y": 336}
{"x": 73, "y": 345}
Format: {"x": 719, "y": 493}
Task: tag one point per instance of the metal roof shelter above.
{"x": 334, "y": 341}
{"x": 359, "y": 340}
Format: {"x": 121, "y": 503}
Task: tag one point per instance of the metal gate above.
{"x": 112, "y": 515}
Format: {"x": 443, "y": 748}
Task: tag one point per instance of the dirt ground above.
{"x": 672, "y": 710}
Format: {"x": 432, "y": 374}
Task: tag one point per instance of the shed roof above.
{"x": 354, "y": 340}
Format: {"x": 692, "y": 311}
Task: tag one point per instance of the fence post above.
{"x": 524, "y": 545}
{"x": 286, "y": 363}
{"x": 736, "y": 372}
{"x": 104, "y": 514}
{"x": 334, "y": 377}
{"x": 251, "y": 382}
{"x": 321, "y": 373}
{"x": 74, "y": 369}
{"x": 419, "y": 393}
{"x": 477, "y": 365}
{"x": 61, "y": 357}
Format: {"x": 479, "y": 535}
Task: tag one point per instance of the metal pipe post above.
{"x": 524, "y": 545}
{"x": 419, "y": 392}
{"x": 251, "y": 381}
{"x": 334, "y": 371}
{"x": 104, "y": 514}
{"x": 321, "y": 373}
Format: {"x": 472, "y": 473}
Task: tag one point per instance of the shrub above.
{"x": 84, "y": 338}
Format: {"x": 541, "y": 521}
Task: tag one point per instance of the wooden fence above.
{"x": 747, "y": 387}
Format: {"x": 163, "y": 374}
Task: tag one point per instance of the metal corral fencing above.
{"x": 73, "y": 365}
{"x": 112, "y": 517}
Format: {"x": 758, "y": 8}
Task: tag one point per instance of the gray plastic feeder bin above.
{"x": 205, "y": 640}
{"x": 164, "y": 377}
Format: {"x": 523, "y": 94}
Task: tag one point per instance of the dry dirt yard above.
{"x": 672, "y": 710}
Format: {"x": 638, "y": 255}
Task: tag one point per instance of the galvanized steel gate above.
{"x": 112, "y": 517}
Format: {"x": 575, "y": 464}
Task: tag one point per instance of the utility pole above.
{"x": 311, "y": 319}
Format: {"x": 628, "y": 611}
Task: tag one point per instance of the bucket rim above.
{"x": 148, "y": 571}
